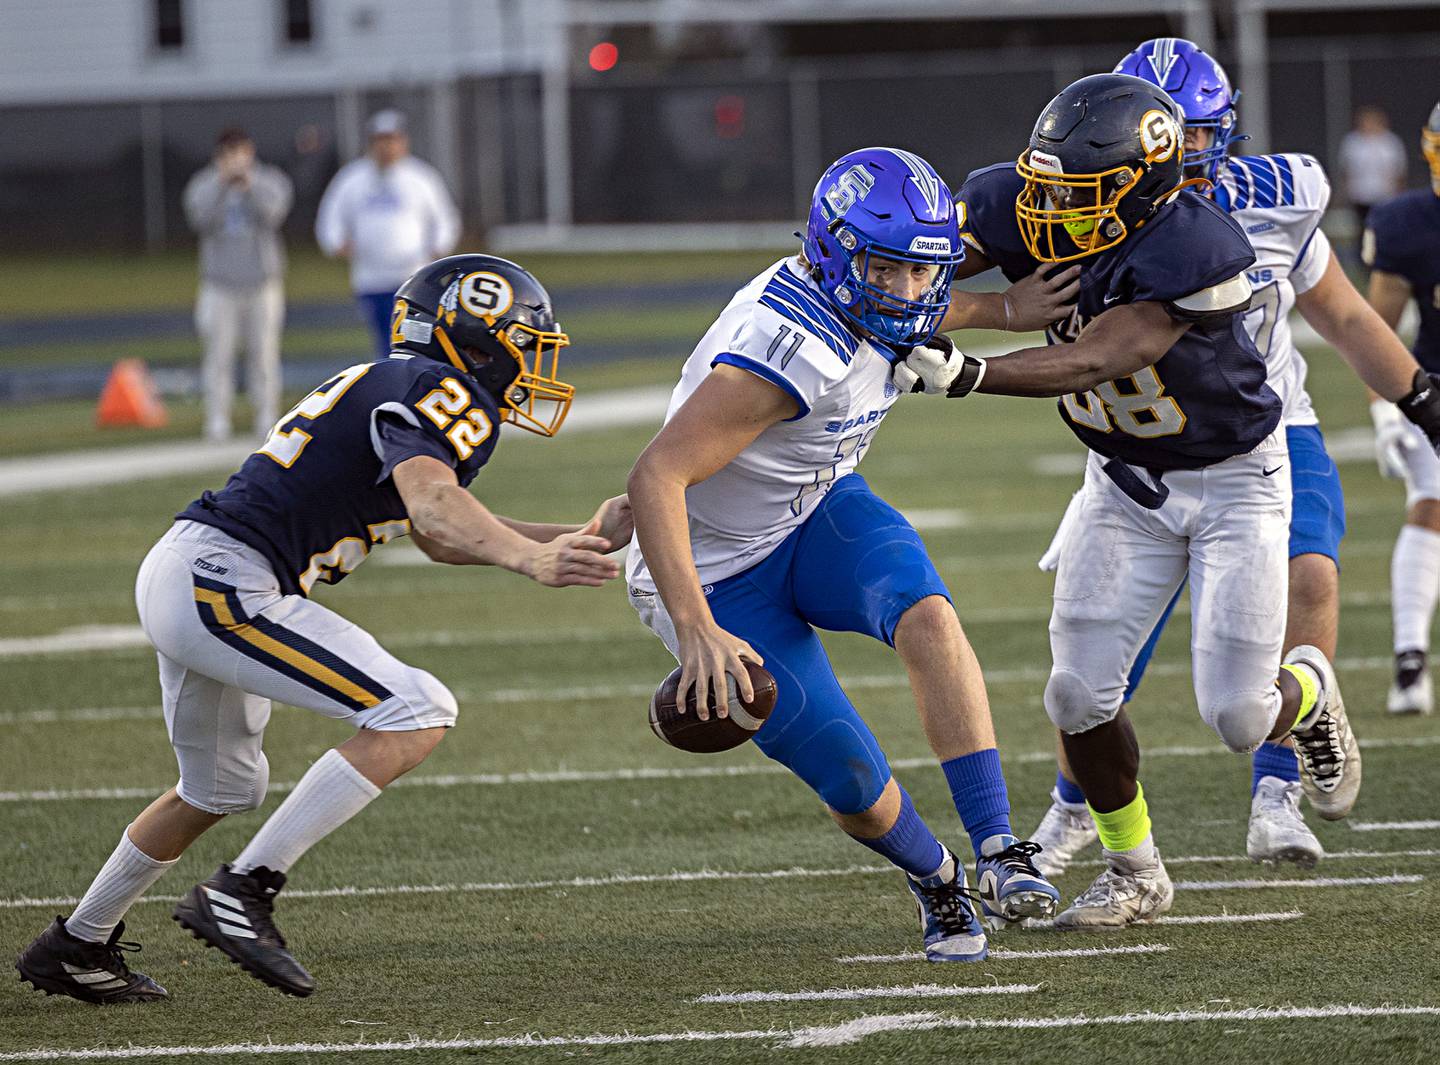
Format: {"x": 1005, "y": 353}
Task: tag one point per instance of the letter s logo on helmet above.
{"x": 1160, "y": 134}
{"x": 491, "y": 319}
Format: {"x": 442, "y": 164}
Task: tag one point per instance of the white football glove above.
{"x": 937, "y": 367}
{"x": 1393, "y": 438}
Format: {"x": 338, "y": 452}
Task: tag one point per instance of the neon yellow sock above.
{"x": 1309, "y": 690}
{"x": 1125, "y": 828}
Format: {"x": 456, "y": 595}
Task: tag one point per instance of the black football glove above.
{"x": 1422, "y": 406}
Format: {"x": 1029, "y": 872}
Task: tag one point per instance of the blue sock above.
{"x": 1272, "y": 760}
{"x": 1068, "y": 791}
{"x": 909, "y": 844}
{"x": 978, "y": 788}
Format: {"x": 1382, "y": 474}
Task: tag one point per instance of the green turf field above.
{"x": 553, "y": 871}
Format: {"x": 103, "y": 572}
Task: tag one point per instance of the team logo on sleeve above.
{"x": 486, "y": 295}
{"x": 1160, "y": 135}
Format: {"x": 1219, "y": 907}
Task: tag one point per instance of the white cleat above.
{"x": 1328, "y": 752}
{"x": 1411, "y": 691}
{"x": 1124, "y": 893}
{"x": 1063, "y": 832}
{"x": 1278, "y": 832}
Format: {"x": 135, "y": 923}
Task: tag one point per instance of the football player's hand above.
{"x": 1422, "y": 407}
{"x": 938, "y": 367}
{"x": 1034, "y": 302}
{"x": 707, "y": 654}
{"x": 617, "y": 523}
{"x": 573, "y": 558}
{"x": 1393, "y": 438}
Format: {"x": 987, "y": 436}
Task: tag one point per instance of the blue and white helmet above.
{"x": 1196, "y": 82}
{"x": 890, "y": 204}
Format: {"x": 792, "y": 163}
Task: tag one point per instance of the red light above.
{"x": 604, "y": 56}
{"x": 730, "y": 117}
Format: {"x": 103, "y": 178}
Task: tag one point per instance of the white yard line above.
{"x": 724, "y": 875}
{"x": 1395, "y": 826}
{"x": 820, "y": 1036}
{"x": 1313, "y": 882}
{"x": 93, "y": 639}
{"x": 1016, "y": 955}
{"x": 854, "y": 1031}
{"x": 599, "y": 776}
{"x": 850, "y": 994}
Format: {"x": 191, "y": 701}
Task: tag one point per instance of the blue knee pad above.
{"x": 814, "y": 731}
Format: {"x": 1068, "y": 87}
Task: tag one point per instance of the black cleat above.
{"x": 231, "y": 912}
{"x": 59, "y": 964}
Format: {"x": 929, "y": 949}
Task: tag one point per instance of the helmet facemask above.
{"x": 893, "y": 319}
{"x": 1064, "y": 217}
{"x": 1205, "y": 162}
{"x": 523, "y": 376}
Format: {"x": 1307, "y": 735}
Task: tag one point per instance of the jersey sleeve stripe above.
{"x": 282, "y": 650}
{"x": 775, "y": 377}
{"x": 1287, "y": 181}
{"x": 786, "y": 295}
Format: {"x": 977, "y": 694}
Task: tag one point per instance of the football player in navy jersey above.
{"x": 1279, "y": 200}
{"x": 1187, "y": 471}
{"x": 1401, "y": 246}
{"x": 379, "y": 451}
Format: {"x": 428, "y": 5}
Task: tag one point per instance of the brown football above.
{"x": 687, "y": 732}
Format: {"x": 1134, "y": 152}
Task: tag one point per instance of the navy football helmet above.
{"x": 1104, "y": 155}
{"x": 1430, "y": 145}
{"x": 1199, "y": 85}
{"x": 491, "y": 319}
{"x": 883, "y": 203}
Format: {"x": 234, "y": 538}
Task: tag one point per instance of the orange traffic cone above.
{"x": 129, "y": 398}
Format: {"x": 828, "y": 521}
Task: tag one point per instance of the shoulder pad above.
{"x": 1217, "y": 301}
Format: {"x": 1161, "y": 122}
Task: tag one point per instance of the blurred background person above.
{"x": 1372, "y": 161}
{"x": 236, "y": 206}
{"x": 389, "y": 214}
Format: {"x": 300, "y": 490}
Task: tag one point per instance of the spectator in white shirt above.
{"x": 1372, "y": 159}
{"x": 389, "y": 214}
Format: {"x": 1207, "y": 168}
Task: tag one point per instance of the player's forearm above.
{"x": 662, "y": 527}
{"x": 975, "y": 310}
{"x": 466, "y": 532}
{"x": 539, "y": 531}
{"x": 1055, "y": 370}
{"x": 1364, "y": 341}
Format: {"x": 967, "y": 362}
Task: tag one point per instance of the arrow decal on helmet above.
{"x": 1163, "y": 59}
{"x": 924, "y": 177}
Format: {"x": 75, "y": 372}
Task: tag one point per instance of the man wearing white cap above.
{"x": 389, "y": 214}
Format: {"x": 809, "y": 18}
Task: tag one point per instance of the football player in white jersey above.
{"x": 1279, "y": 200}
{"x": 753, "y": 530}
